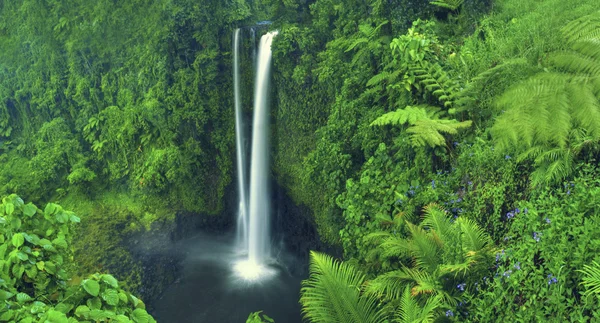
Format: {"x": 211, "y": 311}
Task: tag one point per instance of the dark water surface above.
{"x": 209, "y": 291}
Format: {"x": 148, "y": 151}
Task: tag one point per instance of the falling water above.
{"x": 242, "y": 222}
{"x": 258, "y": 234}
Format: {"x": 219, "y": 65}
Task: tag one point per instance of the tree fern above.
{"x": 332, "y": 293}
{"x": 426, "y": 128}
{"x": 545, "y": 115}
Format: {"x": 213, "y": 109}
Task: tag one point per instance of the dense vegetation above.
{"x": 449, "y": 148}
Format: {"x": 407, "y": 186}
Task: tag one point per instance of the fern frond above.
{"x": 474, "y": 238}
{"x": 437, "y": 82}
{"x": 591, "y": 279}
{"x": 425, "y": 248}
{"x": 410, "y": 311}
{"x": 332, "y": 293}
{"x": 449, "y": 4}
{"x": 578, "y": 63}
{"x": 587, "y": 27}
{"x": 429, "y": 132}
{"x": 408, "y": 115}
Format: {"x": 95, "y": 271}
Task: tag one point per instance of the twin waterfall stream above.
{"x": 253, "y": 226}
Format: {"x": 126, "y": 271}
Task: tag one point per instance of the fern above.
{"x": 436, "y": 81}
{"x": 410, "y": 311}
{"x": 591, "y": 279}
{"x": 426, "y": 127}
{"x": 449, "y": 4}
{"x": 333, "y": 293}
{"x": 551, "y": 116}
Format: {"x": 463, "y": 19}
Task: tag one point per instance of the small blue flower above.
{"x": 469, "y": 183}
{"x": 459, "y": 200}
{"x": 507, "y": 157}
{"x": 518, "y": 265}
{"x": 507, "y": 273}
{"x": 449, "y": 313}
{"x": 461, "y": 287}
{"x": 537, "y": 236}
{"x": 525, "y": 210}
{"x": 568, "y": 191}
{"x": 517, "y": 211}
{"x": 433, "y": 184}
{"x": 552, "y": 279}
{"x": 547, "y": 220}
{"x": 510, "y": 215}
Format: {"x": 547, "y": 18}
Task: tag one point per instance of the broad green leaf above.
{"x": 60, "y": 242}
{"x": 50, "y": 209}
{"x": 62, "y": 217}
{"x": 94, "y": 303}
{"x": 22, "y": 298}
{"x": 31, "y": 272}
{"x": 40, "y": 265}
{"x": 10, "y": 208}
{"x": 15, "y": 223}
{"x": 56, "y": 317}
{"x": 91, "y": 286}
{"x": 7, "y": 316}
{"x": 110, "y": 280}
{"x": 18, "y": 271}
{"x": 111, "y": 297}
{"x": 23, "y": 256}
{"x": 29, "y": 209}
{"x": 4, "y": 295}
{"x": 18, "y": 240}
{"x": 82, "y": 310}
{"x": 74, "y": 218}
{"x": 140, "y": 316}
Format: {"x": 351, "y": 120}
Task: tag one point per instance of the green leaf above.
{"x": 15, "y": 223}
{"x": 29, "y": 209}
{"x": 4, "y": 295}
{"x": 60, "y": 242}
{"x": 91, "y": 286}
{"x": 22, "y": 298}
{"x": 94, "y": 303}
{"x": 7, "y": 316}
{"x": 74, "y": 218}
{"x": 141, "y": 316}
{"x": 110, "y": 280}
{"x": 18, "y": 240}
{"x": 56, "y": 317}
{"x": 62, "y": 217}
{"x": 50, "y": 209}
{"x": 40, "y": 265}
{"x": 10, "y": 208}
{"x": 111, "y": 297}
{"x": 23, "y": 256}
{"x": 82, "y": 310}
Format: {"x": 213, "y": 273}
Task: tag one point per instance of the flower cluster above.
{"x": 449, "y": 313}
{"x": 552, "y": 279}
{"x": 537, "y": 236}
{"x": 461, "y": 287}
{"x": 511, "y": 214}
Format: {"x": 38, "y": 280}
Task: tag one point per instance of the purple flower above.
{"x": 510, "y": 215}
{"x": 568, "y": 191}
{"x": 507, "y": 157}
{"x": 537, "y": 236}
{"x": 507, "y": 273}
{"x": 449, "y": 313}
{"x": 552, "y": 279}
{"x": 517, "y": 211}
{"x": 469, "y": 183}
{"x": 518, "y": 265}
{"x": 433, "y": 184}
{"x": 547, "y": 220}
{"x": 461, "y": 287}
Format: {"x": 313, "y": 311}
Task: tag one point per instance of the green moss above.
{"x": 100, "y": 243}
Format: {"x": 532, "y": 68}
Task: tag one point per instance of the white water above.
{"x": 242, "y": 222}
{"x": 253, "y": 227}
{"x": 259, "y": 245}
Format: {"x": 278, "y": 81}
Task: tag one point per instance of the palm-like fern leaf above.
{"x": 426, "y": 127}
{"x": 332, "y": 293}
{"x": 545, "y": 114}
{"x": 474, "y": 238}
{"x": 411, "y": 312}
{"x": 591, "y": 279}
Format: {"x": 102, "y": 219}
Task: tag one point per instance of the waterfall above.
{"x": 259, "y": 225}
{"x": 242, "y": 220}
